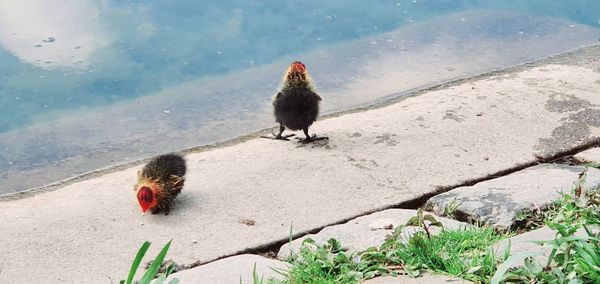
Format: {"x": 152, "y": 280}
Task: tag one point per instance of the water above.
{"x": 85, "y": 85}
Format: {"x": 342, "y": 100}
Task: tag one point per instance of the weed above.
{"x": 573, "y": 258}
{"x": 153, "y": 269}
{"x": 462, "y": 253}
{"x": 450, "y": 209}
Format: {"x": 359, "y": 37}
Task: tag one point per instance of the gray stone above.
{"x": 232, "y": 270}
{"x": 589, "y": 156}
{"x": 498, "y": 201}
{"x": 366, "y": 231}
{"x": 426, "y": 278}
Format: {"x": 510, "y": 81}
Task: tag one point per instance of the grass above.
{"x": 574, "y": 258}
{"x": 153, "y": 270}
{"x": 466, "y": 253}
{"x": 463, "y": 253}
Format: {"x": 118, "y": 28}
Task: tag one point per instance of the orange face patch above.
{"x": 298, "y": 66}
{"x": 146, "y": 198}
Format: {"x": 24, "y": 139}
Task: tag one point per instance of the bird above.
{"x": 296, "y": 105}
{"x": 159, "y": 182}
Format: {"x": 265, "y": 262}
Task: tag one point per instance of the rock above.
{"x": 232, "y": 270}
{"x": 426, "y": 278}
{"x": 497, "y": 202}
{"x": 365, "y": 231}
{"x": 589, "y": 156}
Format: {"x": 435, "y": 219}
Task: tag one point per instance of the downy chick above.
{"x": 296, "y": 106}
{"x": 159, "y": 182}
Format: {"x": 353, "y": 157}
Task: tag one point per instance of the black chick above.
{"x": 159, "y": 182}
{"x": 296, "y": 106}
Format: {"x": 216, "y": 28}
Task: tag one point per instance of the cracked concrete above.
{"x": 589, "y": 156}
{"x": 498, "y": 202}
{"x": 89, "y": 231}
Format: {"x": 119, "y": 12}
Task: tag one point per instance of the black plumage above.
{"x": 164, "y": 175}
{"x": 296, "y": 106}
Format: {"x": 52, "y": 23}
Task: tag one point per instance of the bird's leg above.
{"x": 313, "y": 138}
{"x": 279, "y": 136}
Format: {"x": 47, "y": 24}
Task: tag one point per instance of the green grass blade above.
{"x": 161, "y": 279}
{"x": 510, "y": 262}
{"x": 280, "y": 271}
{"x": 151, "y": 272}
{"x": 136, "y": 262}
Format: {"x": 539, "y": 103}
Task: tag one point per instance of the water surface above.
{"x": 85, "y": 85}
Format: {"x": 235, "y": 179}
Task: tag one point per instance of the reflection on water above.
{"x": 30, "y": 29}
{"x": 86, "y": 84}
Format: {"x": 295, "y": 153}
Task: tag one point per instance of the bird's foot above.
{"x": 278, "y": 137}
{"x": 312, "y": 139}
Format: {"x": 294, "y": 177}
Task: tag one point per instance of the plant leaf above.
{"x": 160, "y": 279}
{"x": 510, "y": 262}
{"x": 413, "y": 221}
{"x": 533, "y": 266}
{"x": 507, "y": 250}
{"x": 151, "y": 272}
{"x": 136, "y": 261}
{"x": 433, "y": 221}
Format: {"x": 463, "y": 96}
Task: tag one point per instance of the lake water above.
{"x": 89, "y": 84}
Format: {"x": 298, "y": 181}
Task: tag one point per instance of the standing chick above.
{"x": 296, "y": 106}
{"x": 159, "y": 182}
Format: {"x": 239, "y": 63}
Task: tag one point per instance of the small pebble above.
{"x": 194, "y": 241}
{"x": 142, "y": 224}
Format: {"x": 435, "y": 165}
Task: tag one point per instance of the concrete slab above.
{"x": 236, "y": 269}
{"x": 88, "y": 232}
{"x": 426, "y": 278}
{"x": 365, "y": 231}
{"x": 589, "y": 156}
{"x": 498, "y": 202}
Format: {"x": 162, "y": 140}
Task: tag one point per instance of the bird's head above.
{"x": 298, "y": 67}
{"x": 147, "y": 198}
{"x": 296, "y": 73}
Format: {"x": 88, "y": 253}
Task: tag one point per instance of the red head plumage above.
{"x": 298, "y": 66}
{"x": 146, "y": 198}
{"x": 296, "y": 74}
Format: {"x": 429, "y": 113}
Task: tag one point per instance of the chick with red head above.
{"x": 296, "y": 105}
{"x": 159, "y": 182}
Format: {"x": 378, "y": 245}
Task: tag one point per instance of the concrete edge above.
{"x": 377, "y": 104}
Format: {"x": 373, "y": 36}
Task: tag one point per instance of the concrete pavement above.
{"x": 88, "y": 232}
